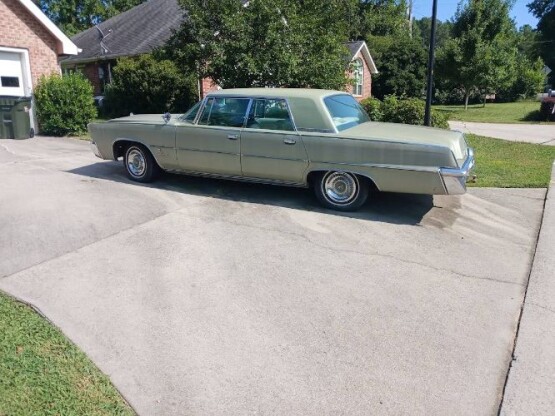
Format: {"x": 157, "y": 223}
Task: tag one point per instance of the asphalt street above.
{"x": 207, "y": 297}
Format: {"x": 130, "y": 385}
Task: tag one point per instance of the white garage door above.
{"x": 11, "y": 74}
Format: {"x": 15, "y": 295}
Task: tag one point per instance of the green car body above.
{"x": 289, "y": 137}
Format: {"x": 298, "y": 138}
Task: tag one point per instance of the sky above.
{"x": 446, "y": 10}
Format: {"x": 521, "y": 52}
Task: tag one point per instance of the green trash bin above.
{"x": 15, "y": 118}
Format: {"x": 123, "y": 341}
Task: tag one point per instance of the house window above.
{"x": 358, "y": 76}
{"x": 9, "y": 82}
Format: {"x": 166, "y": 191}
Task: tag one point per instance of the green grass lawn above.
{"x": 42, "y": 373}
{"x": 519, "y": 112}
{"x": 505, "y": 164}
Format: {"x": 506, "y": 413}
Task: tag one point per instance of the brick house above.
{"x": 30, "y": 46}
{"x": 149, "y": 25}
{"x": 361, "y": 69}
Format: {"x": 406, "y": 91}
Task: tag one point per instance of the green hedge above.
{"x": 146, "y": 85}
{"x": 402, "y": 110}
{"x": 64, "y": 105}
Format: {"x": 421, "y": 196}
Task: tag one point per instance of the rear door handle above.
{"x": 289, "y": 141}
{"x": 232, "y": 136}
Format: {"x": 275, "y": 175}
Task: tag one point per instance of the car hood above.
{"x": 405, "y": 133}
{"x": 153, "y": 119}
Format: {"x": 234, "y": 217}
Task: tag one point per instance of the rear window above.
{"x": 345, "y": 111}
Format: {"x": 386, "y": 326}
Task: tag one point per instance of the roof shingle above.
{"x": 138, "y": 30}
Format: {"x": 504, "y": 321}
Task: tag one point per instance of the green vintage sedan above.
{"x": 296, "y": 137}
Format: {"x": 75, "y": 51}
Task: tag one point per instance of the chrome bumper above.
{"x": 95, "y": 150}
{"x": 455, "y": 179}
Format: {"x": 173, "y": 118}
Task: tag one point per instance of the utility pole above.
{"x": 410, "y": 16}
{"x": 428, "y": 112}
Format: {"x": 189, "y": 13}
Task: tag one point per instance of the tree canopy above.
{"x": 482, "y": 54}
{"x": 266, "y": 42}
{"x": 545, "y": 11}
{"x": 74, "y": 16}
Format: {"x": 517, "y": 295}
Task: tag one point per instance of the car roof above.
{"x": 276, "y": 92}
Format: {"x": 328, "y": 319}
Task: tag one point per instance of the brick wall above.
{"x": 367, "y": 79}
{"x": 20, "y": 29}
{"x": 91, "y": 72}
{"x": 207, "y": 85}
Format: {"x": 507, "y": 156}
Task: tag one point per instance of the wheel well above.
{"x": 313, "y": 175}
{"x": 121, "y": 146}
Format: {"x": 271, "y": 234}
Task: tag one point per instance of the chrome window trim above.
{"x": 265, "y": 97}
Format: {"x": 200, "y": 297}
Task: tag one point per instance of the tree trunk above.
{"x": 466, "y": 97}
{"x": 484, "y": 103}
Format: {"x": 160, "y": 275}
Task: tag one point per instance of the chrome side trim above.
{"x": 240, "y": 178}
{"x": 157, "y": 146}
{"x": 207, "y": 151}
{"x": 383, "y": 166}
{"x": 274, "y": 158}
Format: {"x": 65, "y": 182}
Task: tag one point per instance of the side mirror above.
{"x": 166, "y": 117}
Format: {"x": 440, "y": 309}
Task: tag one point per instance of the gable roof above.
{"x": 137, "y": 31}
{"x": 64, "y": 45}
{"x": 360, "y": 46}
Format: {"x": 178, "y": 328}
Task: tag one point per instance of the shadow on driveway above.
{"x": 408, "y": 209}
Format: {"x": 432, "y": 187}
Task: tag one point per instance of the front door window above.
{"x": 224, "y": 111}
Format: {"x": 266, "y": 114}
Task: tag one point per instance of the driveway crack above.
{"x": 336, "y": 249}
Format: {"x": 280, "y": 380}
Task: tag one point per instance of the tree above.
{"x": 422, "y": 29}
{"x": 381, "y": 18}
{"x": 545, "y": 11}
{"x": 265, "y": 42}
{"x": 74, "y": 16}
{"x": 528, "y": 42}
{"x": 482, "y": 54}
{"x": 148, "y": 85}
{"x": 402, "y": 66}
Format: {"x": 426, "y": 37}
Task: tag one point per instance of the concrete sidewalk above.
{"x": 530, "y": 133}
{"x": 530, "y": 387}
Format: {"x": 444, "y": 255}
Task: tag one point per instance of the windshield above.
{"x": 345, "y": 111}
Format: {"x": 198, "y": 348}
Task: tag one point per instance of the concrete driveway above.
{"x": 531, "y": 133}
{"x": 205, "y": 297}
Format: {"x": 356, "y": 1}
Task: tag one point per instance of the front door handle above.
{"x": 232, "y": 136}
{"x": 289, "y": 141}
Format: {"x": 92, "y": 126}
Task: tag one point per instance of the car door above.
{"x": 270, "y": 146}
{"x": 213, "y": 145}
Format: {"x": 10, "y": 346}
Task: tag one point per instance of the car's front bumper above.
{"x": 455, "y": 179}
{"x": 95, "y": 150}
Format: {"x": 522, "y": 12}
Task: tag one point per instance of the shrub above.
{"x": 146, "y": 85}
{"x": 410, "y": 111}
{"x": 65, "y": 104}
{"x": 373, "y": 107}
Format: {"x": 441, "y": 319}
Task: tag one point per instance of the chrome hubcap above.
{"x": 340, "y": 187}
{"x": 136, "y": 162}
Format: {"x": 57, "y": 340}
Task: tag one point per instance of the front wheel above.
{"x": 139, "y": 164}
{"x": 342, "y": 191}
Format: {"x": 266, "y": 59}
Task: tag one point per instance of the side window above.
{"x": 269, "y": 114}
{"x": 224, "y": 111}
{"x": 9, "y": 82}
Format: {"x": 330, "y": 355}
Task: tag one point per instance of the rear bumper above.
{"x": 455, "y": 179}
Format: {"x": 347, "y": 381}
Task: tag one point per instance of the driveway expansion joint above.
{"x": 65, "y": 253}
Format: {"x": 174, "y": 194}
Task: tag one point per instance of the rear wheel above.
{"x": 139, "y": 164}
{"x": 342, "y": 191}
